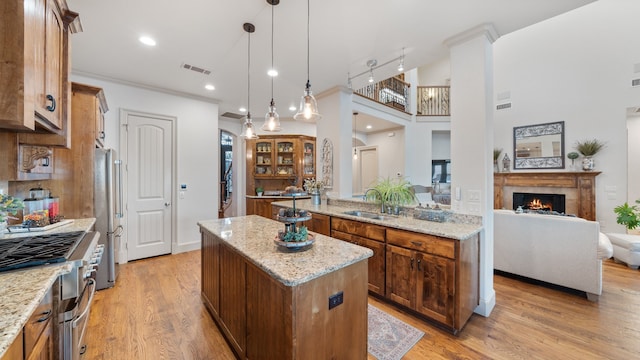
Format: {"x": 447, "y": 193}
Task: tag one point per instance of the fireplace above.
{"x": 544, "y": 202}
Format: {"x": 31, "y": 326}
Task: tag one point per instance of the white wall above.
{"x": 577, "y": 68}
{"x": 390, "y": 152}
{"x": 435, "y": 74}
{"x": 633, "y": 127}
{"x": 441, "y": 145}
{"x": 197, "y": 149}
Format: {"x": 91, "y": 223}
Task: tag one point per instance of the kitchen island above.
{"x": 273, "y": 304}
{"x": 22, "y": 290}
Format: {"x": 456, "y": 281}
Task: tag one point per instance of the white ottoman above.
{"x": 626, "y": 249}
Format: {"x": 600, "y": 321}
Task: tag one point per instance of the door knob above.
{"x": 167, "y": 204}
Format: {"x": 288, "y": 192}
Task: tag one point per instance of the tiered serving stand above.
{"x": 290, "y": 226}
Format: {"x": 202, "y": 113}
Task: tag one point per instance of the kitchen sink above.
{"x": 368, "y": 215}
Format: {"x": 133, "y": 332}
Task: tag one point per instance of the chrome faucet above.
{"x": 364, "y": 197}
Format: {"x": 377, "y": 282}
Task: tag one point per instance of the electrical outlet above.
{"x": 336, "y": 299}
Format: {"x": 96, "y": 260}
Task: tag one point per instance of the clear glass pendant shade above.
{"x": 271, "y": 119}
{"x": 308, "y": 109}
{"x": 248, "y": 131}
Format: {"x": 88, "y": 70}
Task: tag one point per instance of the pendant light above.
{"x": 248, "y": 132}
{"x": 308, "y": 110}
{"x": 272, "y": 119}
{"x": 355, "y": 152}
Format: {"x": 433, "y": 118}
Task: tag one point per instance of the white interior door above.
{"x": 149, "y": 185}
{"x": 368, "y": 167}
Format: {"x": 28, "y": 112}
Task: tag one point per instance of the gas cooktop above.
{"x": 16, "y": 253}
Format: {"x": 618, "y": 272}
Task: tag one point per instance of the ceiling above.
{"x": 344, "y": 35}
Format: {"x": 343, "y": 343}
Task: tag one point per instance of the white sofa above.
{"x": 561, "y": 250}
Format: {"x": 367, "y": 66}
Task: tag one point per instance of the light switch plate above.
{"x": 474, "y": 195}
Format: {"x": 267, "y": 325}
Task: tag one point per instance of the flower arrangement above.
{"x": 9, "y": 205}
{"x": 496, "y": 154}
{"x": 313, "y": 186}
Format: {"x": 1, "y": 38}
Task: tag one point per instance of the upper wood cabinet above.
{"x": 277, "y": 161}
{"x": 34, "y": 69}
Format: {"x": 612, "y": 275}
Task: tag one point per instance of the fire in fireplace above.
{"x": 545, "y": 202}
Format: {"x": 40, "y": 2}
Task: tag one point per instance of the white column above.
{"x": 472, "y": 141}
{"x": 335, "y": 105}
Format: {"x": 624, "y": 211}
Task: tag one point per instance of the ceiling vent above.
{"x": 196, "y": 69}
{"x": 232, "y": 115}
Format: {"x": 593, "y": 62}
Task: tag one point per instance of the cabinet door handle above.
{"x": 47, "y": 315}
{"x": 51, "y": 107}
{"x": 416, "y": 243}
{"x": 419, "y": 262}
{"x": 412, "y": 263}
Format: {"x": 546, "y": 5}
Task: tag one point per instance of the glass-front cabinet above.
{"x": 285, "y": 157}
{"x": 264, "y": 151}
{"x": 277, "y": 161}
{"x": 308, "y": 158}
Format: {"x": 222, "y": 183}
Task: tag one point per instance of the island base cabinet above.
{"x": 262, "y": 318}
{"x": 296, "y": 322}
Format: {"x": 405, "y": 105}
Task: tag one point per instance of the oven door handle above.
{"x": 92, "y": 283}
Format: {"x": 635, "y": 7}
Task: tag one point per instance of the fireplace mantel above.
{"x": 579, "y": 188}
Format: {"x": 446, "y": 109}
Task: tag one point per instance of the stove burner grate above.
{"x": 37, "y": 250}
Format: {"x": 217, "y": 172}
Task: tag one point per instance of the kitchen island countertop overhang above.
{"x": 253, "y": 237}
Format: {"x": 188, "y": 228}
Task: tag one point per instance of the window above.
{"x": 441, "y": 171}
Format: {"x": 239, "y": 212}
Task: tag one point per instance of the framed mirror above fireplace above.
{"x": 539, "y": 146}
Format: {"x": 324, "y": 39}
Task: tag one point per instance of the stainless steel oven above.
{"x": 78, "y": 290}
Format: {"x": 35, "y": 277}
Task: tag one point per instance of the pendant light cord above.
{"x": 308, "y": 37}
{"x": 249, "y": 75}
{"x": 272, "y": 6}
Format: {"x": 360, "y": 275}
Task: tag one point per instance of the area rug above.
{"x": 389, "y": 338}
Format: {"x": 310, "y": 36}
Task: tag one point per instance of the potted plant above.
{"x": 588, "y": 148}
{"x": 259, "y": 190}
{"x": 394, "y": 192}
{"x": 628, "y": 216}
{"x": 496, "y": 155}
{"x": 573, "y": 156}
{"x": 8, "y": 205}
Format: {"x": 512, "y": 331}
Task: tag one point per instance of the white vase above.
{"x": 588, "y": 164}
{"x": 3, "y": 223}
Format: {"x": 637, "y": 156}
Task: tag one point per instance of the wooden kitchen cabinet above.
{"x": 34, "y": 71}
{"x": 261, "y": 206}
{"x": 434, "y": 276}
{"x": 77, "y": 192}
{"x": 370, "y": 236}
{"x": 15, "y": 351}
{"x": 319, "y": 223}
{"x": 36, "y": 340}
{"x": 211, "y": 272}
{"x": 277, "y": 161}
{"x": 233, "y": 298}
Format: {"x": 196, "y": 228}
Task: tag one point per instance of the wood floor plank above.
{"x": 155, "y": 312}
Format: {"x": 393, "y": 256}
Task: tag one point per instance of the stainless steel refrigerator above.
{"x": 108, "y": 211}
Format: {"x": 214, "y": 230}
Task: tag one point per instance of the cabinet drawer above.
{"x": 422, "y": 242}
{"x": 367, "y": 230}
{"x": 37, "y": 322}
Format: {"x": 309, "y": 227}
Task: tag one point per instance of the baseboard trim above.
{"x": 486, "y": 305}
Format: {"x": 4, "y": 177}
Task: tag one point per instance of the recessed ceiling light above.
{"x": 369, "y": 126}
{"x": 292, "y": 108}
{"x": 210, "y": 87}
{"x": 147, "y": 41}
{"x": 272, "y": 72}
{"x": 242, "y": 109}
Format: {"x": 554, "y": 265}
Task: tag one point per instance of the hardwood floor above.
{"x": 155, "y": 312}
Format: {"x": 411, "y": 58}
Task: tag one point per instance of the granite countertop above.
{"x": 283, "y": 197}
{"x": 22, "y": 290}
{"x": 253, "y": 236}
{"x": 452, "y": 230}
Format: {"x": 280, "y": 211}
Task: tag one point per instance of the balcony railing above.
{"x": 433, "y": 101}
{"x": 391, "y": 92}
